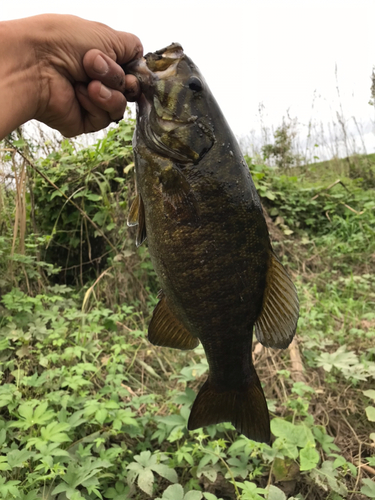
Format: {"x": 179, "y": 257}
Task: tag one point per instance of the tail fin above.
{"x": 246, "y": 409}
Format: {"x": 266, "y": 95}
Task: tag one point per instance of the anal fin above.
{"x": 136, "y": 217}
{"x": 277, "y": 322}
{"x": 167, "y": 331}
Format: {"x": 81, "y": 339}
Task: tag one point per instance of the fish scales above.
{"x": 208, "y": 240}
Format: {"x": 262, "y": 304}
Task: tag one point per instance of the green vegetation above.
{"x": 90, "y": 409}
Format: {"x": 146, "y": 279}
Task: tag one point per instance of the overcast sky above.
{"x": 280, "y": 53}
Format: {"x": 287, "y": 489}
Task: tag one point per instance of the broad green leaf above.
{"x": 369, "y": 488}
{"x": 370, "y": 394}
{"x": 288, "y": 449}
{"x": 275, "y": 493}
{"x": 26, "y": 411}
{"x": 4, "y": 465}
{"x": 209, "y": 496}
{"x": 17, "y": 458}
{"x": 173, "y": 492}
{"x": 309, "y": 458}
{"x": 210, "y": 473}
{"x": 298, "y": 435}
{"x": 146, "y": 459}
{"x": 101, "y": 415}
{"x": 193, "y": 495}
{"x": 340, "y": 359}
{"x": 146, "y": 480}
{"x": 370, "y": 412}
{"x": 166, "y": 472}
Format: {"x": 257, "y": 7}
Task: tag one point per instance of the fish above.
{"x": 197, "y": 206}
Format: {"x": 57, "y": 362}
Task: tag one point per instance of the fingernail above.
{"x": 105, "y": 92}
{"x": 100, "y": 66}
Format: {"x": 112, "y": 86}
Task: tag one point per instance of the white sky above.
{"x": 275, "y": 52}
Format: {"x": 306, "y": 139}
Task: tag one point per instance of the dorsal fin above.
{"x": 167, "y": 331}
{"x": 136, "y": 217}
{"x": 277, "y": 323}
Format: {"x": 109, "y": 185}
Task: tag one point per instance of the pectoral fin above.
{"x": 167, "y": 331}
{"x": 277, "y": 323}
{"x": 136, "y": 217}
{"x": 179, "y": 200}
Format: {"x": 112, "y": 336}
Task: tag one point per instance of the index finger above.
{"x": 126, "y": 46}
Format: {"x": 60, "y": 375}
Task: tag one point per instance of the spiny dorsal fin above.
{"x": 277, "y": 323}
{"x": 167, "y": 331}
{"x": 136, "y": 217}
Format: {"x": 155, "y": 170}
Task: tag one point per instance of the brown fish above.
{"x": 208, "y": 241}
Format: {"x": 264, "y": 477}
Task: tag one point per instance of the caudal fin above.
{"x": 246, "y": 409}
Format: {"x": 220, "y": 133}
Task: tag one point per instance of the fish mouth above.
{"x": 155, "y": 66}
{"x": 151, "y": 69}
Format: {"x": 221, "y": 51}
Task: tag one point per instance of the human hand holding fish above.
{"x": 64, "y": 71}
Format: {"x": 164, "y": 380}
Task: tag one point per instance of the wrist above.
{"x": 19, "y": 84}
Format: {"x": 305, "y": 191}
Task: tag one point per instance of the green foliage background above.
{"x": 89, "y": 409}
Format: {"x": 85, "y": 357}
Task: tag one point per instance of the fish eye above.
{"x": 195, "y": 84}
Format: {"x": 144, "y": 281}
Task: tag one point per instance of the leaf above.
{"x": 285, "y": 469}
{"x": 193, "y": 495}
{"x": 370, "y": 412}
{"x": 146, "y": 480}
{"x": 172, "y": 420}
{"x": 17, "y": 458}
{"x": 101, "y": 415}
{"x": 298, "y": 435}
{"x": 210, "y": 473}
{"x": 26, "y": 411}
{"x": 309, "y": 458}
{"x": 145, "y": 458}
{"x": 173, "y": 492}
{"x": 339, "y": 359}
{"x": 93, "y": 197}
{"x": 275, "y": 493}
{"x": 3, "y": 464}
{"x": 369, "y": 488}
{"x": 326, "y": 475}
{"x": 54, "y": 432}
{"x": 166, "y": 472}
{"x": 370, "y": 394}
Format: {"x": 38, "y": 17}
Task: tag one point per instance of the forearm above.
{"x": 19, "y": 82}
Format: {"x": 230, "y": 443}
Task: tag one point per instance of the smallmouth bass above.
{"x": 208, "y": 240}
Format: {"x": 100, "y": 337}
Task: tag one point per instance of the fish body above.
{"x": 208, "y": 240}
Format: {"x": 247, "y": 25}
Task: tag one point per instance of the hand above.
{"x": 64, "y": 71}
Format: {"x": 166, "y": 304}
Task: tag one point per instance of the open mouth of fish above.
{"x": 153, "y": 67}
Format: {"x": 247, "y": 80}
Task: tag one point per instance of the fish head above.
{"x": 173, "y": 118}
